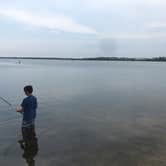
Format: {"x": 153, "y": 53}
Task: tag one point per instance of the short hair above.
{"x": 28, "y": 89}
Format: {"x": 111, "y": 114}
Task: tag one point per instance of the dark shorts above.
{"x": 28, "y": 124}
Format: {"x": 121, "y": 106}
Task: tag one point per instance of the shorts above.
{"x": 28, "y": 124}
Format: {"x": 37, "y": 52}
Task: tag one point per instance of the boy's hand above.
{"x": 19, "y": 109}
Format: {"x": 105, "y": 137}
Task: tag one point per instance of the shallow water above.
{"x": 90, "y": 113}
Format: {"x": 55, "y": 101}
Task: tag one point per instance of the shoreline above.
{"x": 155, "y": 59}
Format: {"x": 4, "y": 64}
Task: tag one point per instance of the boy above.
{"x": 28, "y": 109}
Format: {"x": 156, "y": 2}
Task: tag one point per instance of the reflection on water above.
{"x": 29, "y": 145}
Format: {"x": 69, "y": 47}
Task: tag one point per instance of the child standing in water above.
{"x": 28, "y": 109}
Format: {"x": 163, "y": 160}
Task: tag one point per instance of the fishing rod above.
{"x": 7, "y": 102}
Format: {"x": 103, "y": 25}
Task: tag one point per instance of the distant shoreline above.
{"x": 155, "y": 59}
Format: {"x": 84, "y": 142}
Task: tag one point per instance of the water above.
{"x": 90, "y": 113}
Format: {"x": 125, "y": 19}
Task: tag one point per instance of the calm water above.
{"x": 90, "y": 113}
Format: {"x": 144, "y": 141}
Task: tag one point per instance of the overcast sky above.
{"x": 83, "y": 28}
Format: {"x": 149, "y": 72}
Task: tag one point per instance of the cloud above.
{"x": 52, "y": 22}
{"x": 47, "y": 48}
{"x": 134, "y": 36}
{"x": 157, "y": 25}
{"x": 156, "y": 2}
{"x": 106, "y": 4}
{"x": 108, "y": 46}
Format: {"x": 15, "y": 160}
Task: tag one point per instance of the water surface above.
{"x": 90, "y": 113}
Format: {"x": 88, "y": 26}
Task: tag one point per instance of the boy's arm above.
{"x": 21, "y": 108}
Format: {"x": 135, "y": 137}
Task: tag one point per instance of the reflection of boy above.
{"x": 28, "y": 109}
{"x": 30, "y": 148}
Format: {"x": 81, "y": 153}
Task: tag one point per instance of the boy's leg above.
{"x": 33, "y": 132}
{"x": 28, "y": 133}
{"x": 23, "y": 131}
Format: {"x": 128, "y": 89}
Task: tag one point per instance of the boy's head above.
{"x": 28, "y": 90}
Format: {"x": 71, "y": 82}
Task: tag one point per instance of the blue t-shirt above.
{"x": 29, "y": 105}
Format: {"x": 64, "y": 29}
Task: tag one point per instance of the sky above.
{"x": 83, "y": 28}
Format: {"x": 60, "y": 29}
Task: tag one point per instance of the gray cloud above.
{"x": 108, "y": 46}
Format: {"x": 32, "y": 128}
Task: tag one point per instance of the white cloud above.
{"x": 157, "y": 25}
{"x": 134, "y": 36}
{"x": 156, "y": 2}
{"x": 54, "y": 22}
{"x": 105, "y": 4}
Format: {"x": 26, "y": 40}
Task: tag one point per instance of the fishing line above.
{"x": 11, "y": 119}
